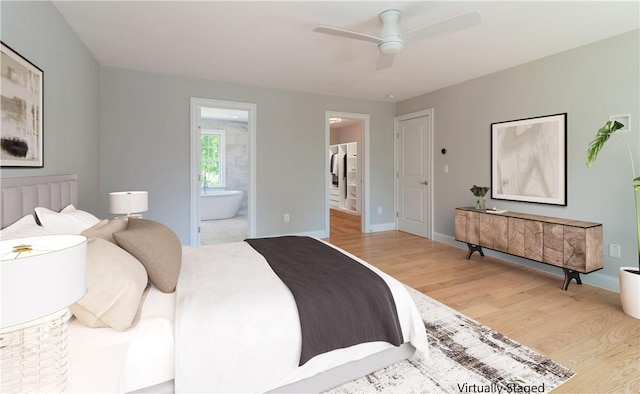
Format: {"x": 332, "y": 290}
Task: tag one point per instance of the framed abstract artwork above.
{"x": 529, "y": 160}
{"x": 22, "y": 109}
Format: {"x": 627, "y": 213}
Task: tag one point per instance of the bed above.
{"x": 177, "y": 341}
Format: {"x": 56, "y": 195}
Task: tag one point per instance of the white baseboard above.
{"x": 315, "y": 234}
{"x": 596, "y": 279}
{"x": 376, "y": 228}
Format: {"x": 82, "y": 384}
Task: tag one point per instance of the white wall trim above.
{"x": 376, "y": 228}
{"x": 195, "y": 162}
{"x": 313, "y": 234}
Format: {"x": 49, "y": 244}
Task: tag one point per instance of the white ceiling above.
{"x": 272, "y": 44}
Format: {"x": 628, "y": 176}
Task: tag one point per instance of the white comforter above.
{"x": 237, "y": 327}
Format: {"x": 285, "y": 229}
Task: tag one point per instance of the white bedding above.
{"x": 237, "y": 327}
{"x": 150, "y": 352}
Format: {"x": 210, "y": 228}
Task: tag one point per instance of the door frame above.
{"x": 396, "y": 123}
{"x": 366, "y": 130}
{"x": 194, "y": 184}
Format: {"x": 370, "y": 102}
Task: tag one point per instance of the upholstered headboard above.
{"x": 20, "y": 196}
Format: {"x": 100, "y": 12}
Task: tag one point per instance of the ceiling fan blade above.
{"x": 384, "y": 61}
{"x": 347, "y": 34}
{"x": 446, "y": 26}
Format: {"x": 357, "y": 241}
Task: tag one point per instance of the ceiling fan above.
{"x": 391, "y": 40}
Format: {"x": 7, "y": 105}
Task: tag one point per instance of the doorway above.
{"x": 222, "y": 180}
{"x": 414, "y": 190}
{"x": 347, "y": 167}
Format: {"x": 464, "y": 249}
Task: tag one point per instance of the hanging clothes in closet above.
{"x": 334, "y": 168}
{"x": 344, "y": 171}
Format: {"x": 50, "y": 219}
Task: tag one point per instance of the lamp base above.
{"x": 131, "y": 215}
{"x": 33, "y": 355}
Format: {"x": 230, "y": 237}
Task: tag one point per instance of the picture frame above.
{"x": 21, "y": 92}
{"x": 529, "y": 160}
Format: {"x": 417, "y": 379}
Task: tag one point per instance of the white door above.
{"x": 414, "y": 175}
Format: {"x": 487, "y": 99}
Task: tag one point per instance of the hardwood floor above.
{"x": 582, "y": 328}
{"x": 343, "y": 223}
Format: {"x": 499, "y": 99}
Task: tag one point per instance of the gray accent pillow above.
{"x": 115, "y": 284}
{"x": 158, "y": 249}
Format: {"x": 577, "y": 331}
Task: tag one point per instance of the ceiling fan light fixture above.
{"x": 390, "y": 47}
{"x": 390, "y": 40}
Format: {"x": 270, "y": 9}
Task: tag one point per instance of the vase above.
{"x": 630, "y": 291}
{"x": 480, "y": 203}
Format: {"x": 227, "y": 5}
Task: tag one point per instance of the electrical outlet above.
{"x": 286, "y": 218}
{"x": 614, "y": 250}
{"x": 445, "y": 169}
{"x": 379, "y": 210}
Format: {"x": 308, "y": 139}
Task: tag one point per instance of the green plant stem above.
{"x": 636, "y": 194}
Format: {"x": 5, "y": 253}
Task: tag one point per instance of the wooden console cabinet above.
{"x": 573, "y": 245}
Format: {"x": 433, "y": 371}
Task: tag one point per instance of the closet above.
{"x": 344, "y": 184}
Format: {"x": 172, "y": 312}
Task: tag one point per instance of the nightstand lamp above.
{"x": 130, "y": 204}
{"x": 39, "y": 277}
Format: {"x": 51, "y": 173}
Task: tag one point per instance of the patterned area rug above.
{"x": 464, "y": 357}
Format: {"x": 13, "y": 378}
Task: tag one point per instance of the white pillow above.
{"x": 68, "y": 221}
{"x": 115, "y": 284}
{"x": 25, "y": 227}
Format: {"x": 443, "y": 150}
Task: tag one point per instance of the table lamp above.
{"x": 40, "y": 277}
{"x": 129, "y": 203}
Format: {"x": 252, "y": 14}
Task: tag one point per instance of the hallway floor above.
{"x": 224, "y": 230}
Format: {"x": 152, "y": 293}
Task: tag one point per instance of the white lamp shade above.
{"x": 128, "y": 202}
{"x": 38, "y": 282}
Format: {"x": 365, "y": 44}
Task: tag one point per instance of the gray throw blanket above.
{"x": 341, "y": 302}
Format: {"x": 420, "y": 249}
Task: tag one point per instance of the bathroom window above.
{"x": 212, "y": 146}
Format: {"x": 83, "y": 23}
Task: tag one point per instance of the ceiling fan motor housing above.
{"x": 390, "y": 34}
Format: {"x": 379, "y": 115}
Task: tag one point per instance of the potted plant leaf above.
{"x": 629, "y": 276}
{"x": 479, "y": 192}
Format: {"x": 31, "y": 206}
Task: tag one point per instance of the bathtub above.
{"x": 219, "y": 204}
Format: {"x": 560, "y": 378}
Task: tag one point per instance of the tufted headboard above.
{"x": 20, "y": 196}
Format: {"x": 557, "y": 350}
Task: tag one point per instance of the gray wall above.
{"x": 38, "y": 32}
{"x": 590, "y": 83}
{"x": 145, "y": 145}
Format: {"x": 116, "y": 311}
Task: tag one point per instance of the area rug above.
{"x": 464, "y": 357}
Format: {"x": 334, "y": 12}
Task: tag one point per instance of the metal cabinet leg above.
{"x": 568, "y": 275}
{"x": 474, "y": 248}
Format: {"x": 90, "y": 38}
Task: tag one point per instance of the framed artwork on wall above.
{"x": 21, "y": 92}
{"x": 529, "y": 160}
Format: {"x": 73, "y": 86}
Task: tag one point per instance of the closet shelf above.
{"x": 344, "y": 160}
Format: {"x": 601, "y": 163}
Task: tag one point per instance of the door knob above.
{"x": 424, "y": 183}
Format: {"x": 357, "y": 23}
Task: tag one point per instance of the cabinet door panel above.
{"x": 473, "y": 228}
{"x": 498, "y": 228}
{"x": 553, "y": 244}
{"x": 533, "y": 240}
{"x": 487, "y": 234}
{"x": 501, "y": 227}
{"x": 461, "y": 226}
{"x": 575, "y": 248}
{"x": 516, "y": 236}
